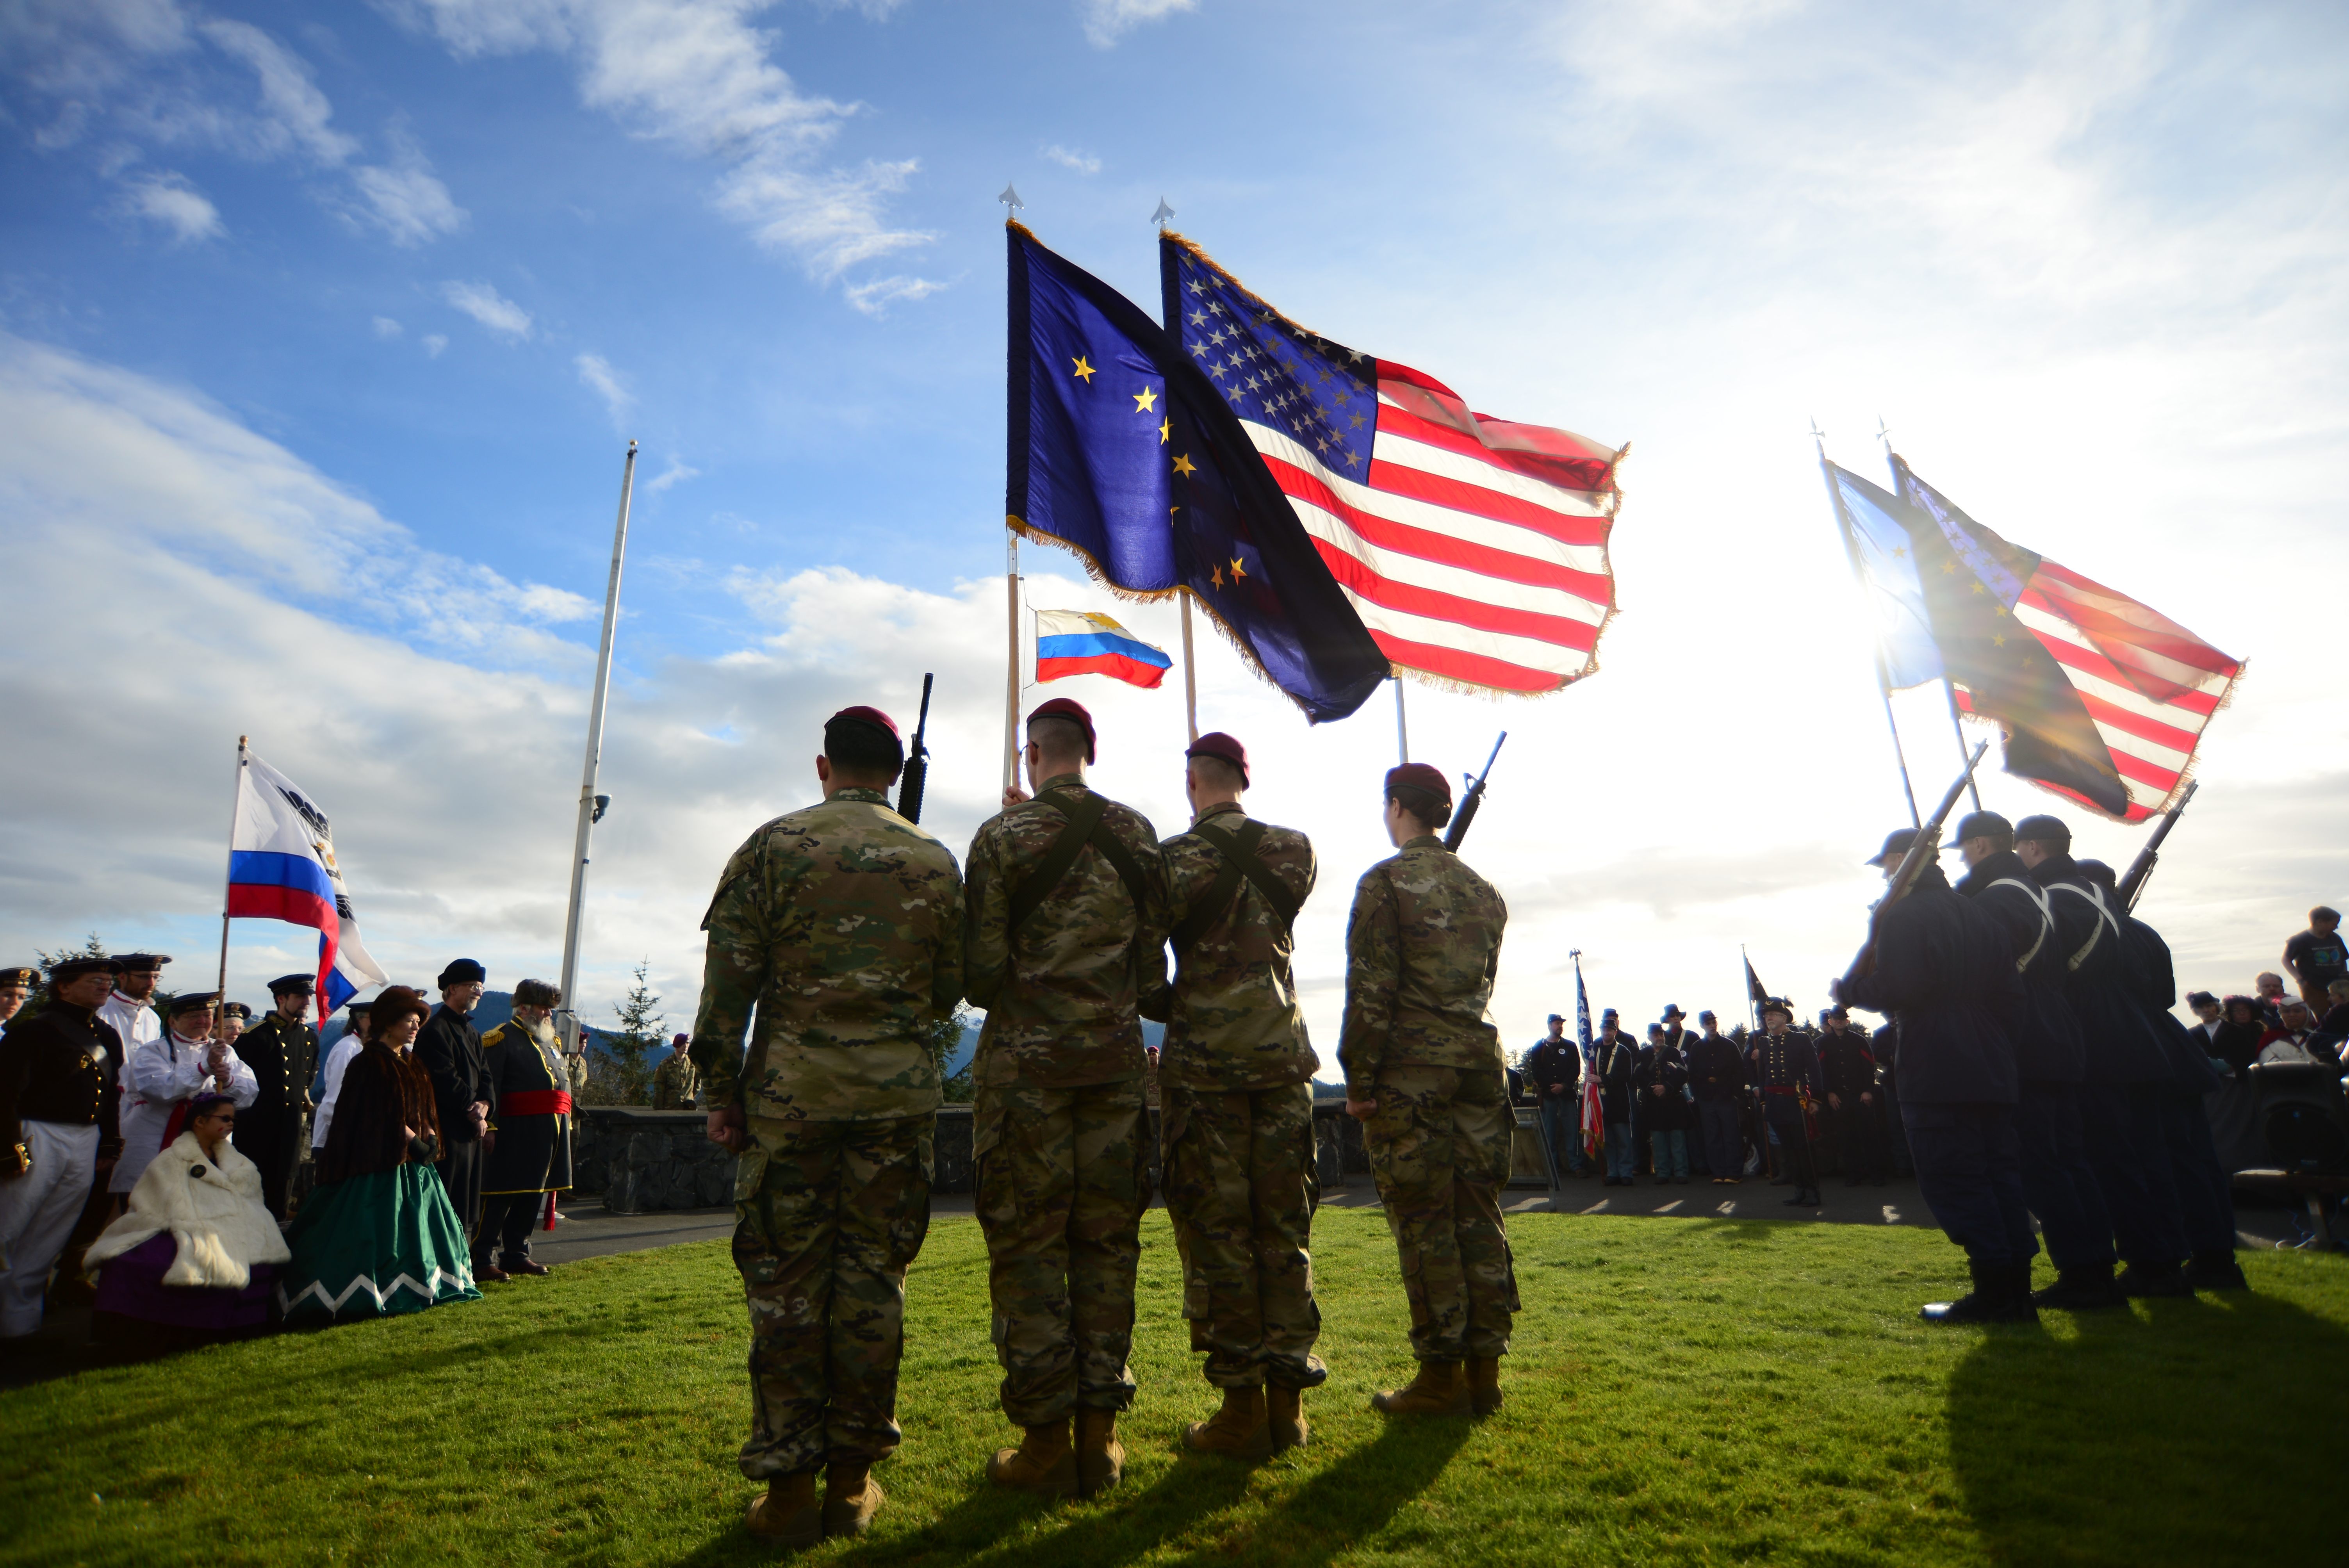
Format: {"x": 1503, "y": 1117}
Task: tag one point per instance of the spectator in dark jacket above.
{"x": 1618, "y": 1060}
{"x": 2334, "y": 1020}
{"x": 1717, "y": 1076}
{"x": 1553, "y": 1071}
{"x": 1848, "y": 1069}
{"x": 1663, "y": 1083}
{"x": 449, "y": 1050}
{"x": 2236, "y": 1040}
{"x": 1944, "y": 974}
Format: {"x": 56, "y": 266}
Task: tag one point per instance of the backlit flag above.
{"x": 1474, "y": 549}
{"x": 1081, "y": 643}
{"x": 281, "y": 866}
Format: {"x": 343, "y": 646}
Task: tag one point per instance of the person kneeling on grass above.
{"x": 197, "y": 1250}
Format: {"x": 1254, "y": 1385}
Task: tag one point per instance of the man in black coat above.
{"x": 1848, "y": 1069}
{"x": 1717, "y": 1076}
{"x": 1783, "y": 1064}
{"x": 527, "y": 1154}
{"x": 282, "y": 1049}
{"x": 1946, "y": 977}
{"x": 2058, "y": 1181}
{"x": 1618, "y": 1060}
{"x": 449, "y": 1050}
{"x": 2205, "y": 1201}
{"x": 1661, "y": 1080}
{"x": 2125, "y": 1072}
{"x": 1553, "y": 1071}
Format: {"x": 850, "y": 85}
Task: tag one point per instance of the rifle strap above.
{"x": 1083, "y": 827}
{"x": 2046, "y": 921}
{"x": 2095, "y": 898}
{"x": 1240, "y": 859}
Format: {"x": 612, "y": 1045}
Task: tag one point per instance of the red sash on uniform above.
{"x": 534, "y": 1102}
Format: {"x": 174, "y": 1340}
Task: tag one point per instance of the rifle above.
{"x": 1471, "y": 801}
{"x": 1926, "y": 846}
{"x": 918, "y": 762}
{"x": 2141, "y": 869}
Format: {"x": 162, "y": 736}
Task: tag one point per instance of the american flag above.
{"x": 2149, "y": 684}
{"x": 1473, "y": 550}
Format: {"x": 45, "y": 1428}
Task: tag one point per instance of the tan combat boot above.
{"x": 1485, "y": 1384}
{"x": 1100, "y": 1459}
{"x": 788, "y": 1512}
{"x": 1286, "y": 1417}
{"x": 850, "y": 1498}
{"x": 1237, "y": 1429}
{"x": 1043, "y": 1463}
{"x": 1438, "y": 1390}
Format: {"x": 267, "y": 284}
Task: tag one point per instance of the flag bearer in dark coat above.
{"x": 1662, "y": 1082}
{"x": 2058, "y": 1182}
{"x": 526, "y": 1153}
{"x": 282, "y": 1049}
{"x": 2205, "y": 1201}
{"x": 1785, "y": 1066}
{"x": 449, "y": 1050}
{"x": 58, "y": 1104}
{"x": 1717, "y": 1077}
{"x": 1945, "y": 977}
{"x": 2125, "y": 1072}
{"x": 1848, "y": 1069}
{"x": 1617, "y": 1059}
{"x": 1424, "y": 1077}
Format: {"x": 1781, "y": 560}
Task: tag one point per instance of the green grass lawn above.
{"x": 1681, "y": 1392}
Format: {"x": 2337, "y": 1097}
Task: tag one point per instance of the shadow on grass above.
{"x": 2204, "y": 1432}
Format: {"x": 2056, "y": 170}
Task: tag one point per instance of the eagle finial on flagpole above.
{"x": 1010, "y": 199}
{"x": 1163, "y": 214}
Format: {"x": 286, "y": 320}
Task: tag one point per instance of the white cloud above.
{"x": 169, "y": 199}
{"x": 294, "y": 114}
{"x": 434, "y": 342}
{"x": 404, "y": 197}
{"x": 387, "y": 328}
{"x": 1082, "y": 162}
{"x": 596, "y": 373}
{"x": 696, "y": 74}
{"x": 874, "y": 297}
{"x": 489, "y": 308}
{"x": 676, "y": 473}
{"x": 1107, "y": 21}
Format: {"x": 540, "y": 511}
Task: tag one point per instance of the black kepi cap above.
{"x": 23, "y": 974}
{"x": 1981, "y": 825}
{"x": 142, "y": 959}
{"x": 2043, "y": 830}
{"x": 236, "y": 1010}
{"x": 286, "y": 985}
{"x": 193, "y": 1001}
{"x": 74, "y": 968}
{"x": 1896, "y": 844}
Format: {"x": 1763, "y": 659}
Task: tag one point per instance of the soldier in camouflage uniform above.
{"x": 1065, "y": 934}
{"x": 1423, "y": 1075}
{"x": 842, "y": 925}
{"x": 1238, "y": 1108}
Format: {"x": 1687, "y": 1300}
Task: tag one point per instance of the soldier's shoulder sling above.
{"x": 1083, "y": 826}
{"x": 1240, "y": 859}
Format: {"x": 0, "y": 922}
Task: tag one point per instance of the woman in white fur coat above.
{"x": 196, "y": 1251}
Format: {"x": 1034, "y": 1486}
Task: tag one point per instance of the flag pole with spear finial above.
{"x": 1012, "y": 207}
{"x": 1190, "y": 667}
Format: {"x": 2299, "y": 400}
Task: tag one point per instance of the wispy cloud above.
{"x": 434, "y": 342}
{"x": 404, "y": 197}
{"x": 596, "y": 373}
{"x": 1107, "y": 21}
{"x": 387, "y": 328}
{"x": 874, "y": 297}
{"x": 676, "y": 473}
{"x": 1082, "y": 162}
{"x": 168, "y": 199}
{"x": 489, "y": 308}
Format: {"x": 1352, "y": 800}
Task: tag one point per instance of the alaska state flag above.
{"x": 1081, "y": 643}
{"x": 281, "y": 866}
{"x": 1123, "y": 451}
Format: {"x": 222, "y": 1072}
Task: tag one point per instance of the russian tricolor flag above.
{"x": 1080, "y": 643}
{"x": 281, "y": 866}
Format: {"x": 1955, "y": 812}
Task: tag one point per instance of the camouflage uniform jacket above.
{"x": 1423, "y": 946}
{"x": 675, "y": 1086}
{"x": 1233, "y": 1022}
{"x": 1062, "y": 994}
{"x": 842, "y": 923}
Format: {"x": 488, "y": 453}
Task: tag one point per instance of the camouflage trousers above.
{"x": 828, "y": 1215}
{"x": 1063, "y": 1178}
{"x": 1440, "y": 1145}
{"x": 1241, "y": 1187}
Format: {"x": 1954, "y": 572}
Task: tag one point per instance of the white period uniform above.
{"x": 158, "y": 1077}
{"x": 137, "y": 1022}
{"x": 338, "y": 1058}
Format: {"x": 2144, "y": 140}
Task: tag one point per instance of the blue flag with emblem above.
{"x": 1121, "y": 451}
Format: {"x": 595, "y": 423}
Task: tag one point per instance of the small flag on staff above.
{"x": 281, "y": 866}
{"x": 1753, "y": 986}
{"x": 1083, "y": 642}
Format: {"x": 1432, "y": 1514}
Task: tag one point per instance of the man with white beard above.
{"x": 162, "y": 1073}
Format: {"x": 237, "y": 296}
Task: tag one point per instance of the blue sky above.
{"x": 324, "y": 328}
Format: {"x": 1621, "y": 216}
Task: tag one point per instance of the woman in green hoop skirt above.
{"x": 377, "y": 1234}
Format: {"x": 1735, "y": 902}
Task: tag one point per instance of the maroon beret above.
{"x": 1068, "y": 707}
{"x": 1420, "y": 776}
{"x": 1225, "y": 747}
{"x": 871, "y": 715}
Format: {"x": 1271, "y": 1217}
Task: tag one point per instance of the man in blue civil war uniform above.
{"x": 1784, "y": 1066}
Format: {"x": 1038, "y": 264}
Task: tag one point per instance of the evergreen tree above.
{"x": 945, "y": 1038}
{"x": 628, "y": 1075}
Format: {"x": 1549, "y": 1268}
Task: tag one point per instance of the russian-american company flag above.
{"x": 1081, "y": 643}
{"x": 281, "y": 866}
{"x": 1474, "y": 549}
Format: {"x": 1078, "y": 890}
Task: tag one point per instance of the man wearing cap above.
{"x": 235, "y": 1018}
{"x": 526, "y": 1153}
{"x": 1784, "y": 1066}
{"x": 329, "y": 1083}
{"x": 15, "y": 985}
{"x": 449, "y": 1050}
{"x": 1554, "y": 1069}
{"x": 282, "y": 1050}
{"x": 1717, "y": 1079}
{"x": 57, "y": 1105}
{"x": 1236, "y": 1106}
{"x": 2050, "y": 1060}
{"x": 1847, "y": 1071}
{"x": 164, "y": 1073}
{"x": 1423, "y": 1077}
{"x": 1617, "y": 1064}
{"x": 1065, "y": 931}
{"x": 676, "y": 1085}
{"x": 2125, "y": 1074}
{"x": 131, "y": 1011}
{"x": 839, "y": 927}
{"x": 1943, "y": 973}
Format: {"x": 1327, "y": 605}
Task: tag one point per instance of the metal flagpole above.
{"x": 591, "y": 805}
{"x": 1012, "y": 207}
{"x": 235, "y": 803}
{"x": 1883, "y": 676}
{"x": 1403, "y": 733}
{"x": 1190, "y": 672}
